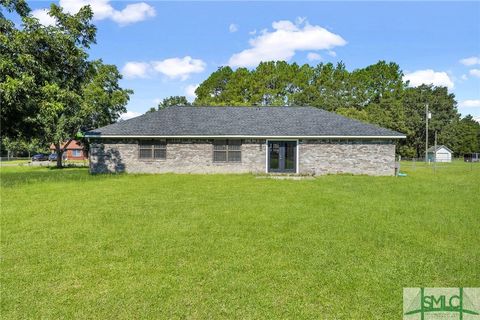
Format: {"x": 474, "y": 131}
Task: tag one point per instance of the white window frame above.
{"x": 76, "y": 150}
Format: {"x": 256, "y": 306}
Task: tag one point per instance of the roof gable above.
{"x": 432, "y": 149}
{"x": 72, "y": 145}
{"x": 243, "y": 122}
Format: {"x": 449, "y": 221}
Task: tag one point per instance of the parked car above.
{"x": 40, "y": 157}
{"x": 53, "y": 157}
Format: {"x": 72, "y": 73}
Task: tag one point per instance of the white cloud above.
{"x": 300, "y": 20}
{"x": 332, "y": 53}
{"x": 429, "y": 76}
{"x": 134, "y": 69}
{"x": 133, "y": 13}
{"x": 473, "y": 103}
{"x": 477, "y": 119}
{"x": 464, "y": 77}
{"x": 475, "y": 72}
{"x": 174, "y": 68}
{"x": 253, "y": 32}
{"x": 233, "y": 27}
{"x": 284, "y": 41}
{"x": 190, "y": 91}
{"x": 102, "y": 9}
{"x": 43, "y": 17}
{"x": 470, "y": 61}
{"x": 312, "y": 56}
{"x": 179, "y": 67}
{"x": 129, "y": 115}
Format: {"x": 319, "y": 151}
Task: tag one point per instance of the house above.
{"x": 73, "y": 150}
{"x": 471, "y": 157}
{"x": 301, "y": 140}
{"x": 439, "y": 154}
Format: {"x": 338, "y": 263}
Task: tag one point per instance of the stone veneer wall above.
{"x": 356, "y": 157}
{"x": 183, "y": 156}
{"x": 316, "y": 157}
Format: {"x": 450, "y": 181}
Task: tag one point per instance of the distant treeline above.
{"x": 376, "y": 94}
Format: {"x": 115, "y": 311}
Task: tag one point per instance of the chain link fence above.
{"x": 419, "y": 164}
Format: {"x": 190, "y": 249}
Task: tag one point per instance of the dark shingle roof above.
{"x": 242, "y": 121}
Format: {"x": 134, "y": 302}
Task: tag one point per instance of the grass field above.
{"x": 45, "y": 163}
{"x": 232, "y": 246}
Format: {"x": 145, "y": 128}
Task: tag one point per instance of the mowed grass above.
{"x": 232, "y": 246}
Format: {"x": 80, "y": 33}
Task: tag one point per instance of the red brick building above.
{"x": 73, "y": 150}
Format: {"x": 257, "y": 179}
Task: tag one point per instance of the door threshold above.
{"x": 285, "y": 176}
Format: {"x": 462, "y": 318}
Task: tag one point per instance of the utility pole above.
{"x": 428, "y": 115}
{"x": 435, "y": 154}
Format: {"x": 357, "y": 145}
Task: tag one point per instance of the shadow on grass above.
{"x": 12, "y": 177}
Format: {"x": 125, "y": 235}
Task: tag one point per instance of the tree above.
{"x": 13, "y": 147}
{"x": 375, "y": 94}
{"x": 441, "y": 104}
{"x": 16, "y": 78}
{"x": 211, "y": 91}
{"x": 152, "y": 109}
{"x": 173, "y": 101}
{"x": 461, "y": 136}
{"x": 48, "y": 87}
{"x": 103, "y": 100}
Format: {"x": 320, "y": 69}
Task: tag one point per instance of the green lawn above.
{"x": 14, "y": 162}
{"x": 232, "y": 246}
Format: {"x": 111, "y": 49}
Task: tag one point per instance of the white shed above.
{"x": 440, "y": 154}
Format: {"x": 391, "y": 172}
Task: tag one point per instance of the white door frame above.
{"x": 297, "y": 169}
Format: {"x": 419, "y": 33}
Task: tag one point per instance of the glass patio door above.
{"x": 282, "y": 156}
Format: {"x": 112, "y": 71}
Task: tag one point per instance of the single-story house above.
{"x": 73, "y": 150}
{"x": 439, "y": 154}
{"x": 301, "y": 140}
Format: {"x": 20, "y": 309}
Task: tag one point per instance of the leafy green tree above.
{"x": 14, "y": 147}
{"x": 461, "y": 136}
{"x": 19, "y": 6}
{"x": 152, "y": 109}
{"x": 328, "y": 87}
{"x": 16, "y": 77}
{"x": 173, "y": 101}
{"x": 212, "y": 90}
{"x": 11, "y": 146}
{"x": 440, "y": 103}
{"x": 48, "y": 87}
{"x": 103, "y": 100}
{"x": 375, "y": 94}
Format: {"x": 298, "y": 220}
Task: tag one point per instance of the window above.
{"x": 150, "y": 150}
{"x": 76, "y": 153}
{"x": 227, "y": 151}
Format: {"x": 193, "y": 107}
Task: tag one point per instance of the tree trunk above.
{"x": 59, "y": 152}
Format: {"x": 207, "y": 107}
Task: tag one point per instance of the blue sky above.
{"x": 167, "y": 48}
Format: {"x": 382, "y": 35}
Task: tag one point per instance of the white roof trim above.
{"x": 244, "y": 136}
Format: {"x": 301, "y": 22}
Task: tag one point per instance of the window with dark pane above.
{"x": 227, "y": 151}
{"x": 150, "y": 150}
